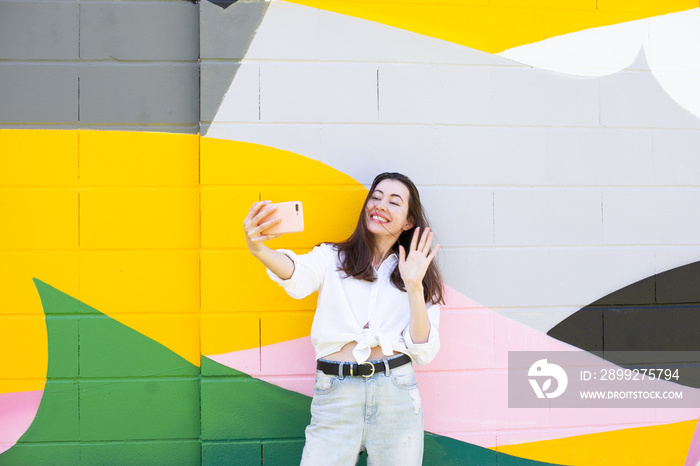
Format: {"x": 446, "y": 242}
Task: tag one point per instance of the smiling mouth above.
{"x": 379, "y": 219}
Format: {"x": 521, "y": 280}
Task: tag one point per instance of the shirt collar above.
{"x": 389, "y": 263}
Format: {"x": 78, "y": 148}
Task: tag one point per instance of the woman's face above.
{"x": 387, "y": 209}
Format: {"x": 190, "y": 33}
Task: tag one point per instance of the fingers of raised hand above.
{"x": 265, "y": 237}
{"x": 414, "y": 239}
{"x": 256, "y": 233}
{"x": 433, "y": 252}
{"x": 425, "y": 241}
{"x": 257, "y": 208}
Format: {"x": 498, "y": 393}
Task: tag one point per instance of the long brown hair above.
{"x": 357, "y": 251}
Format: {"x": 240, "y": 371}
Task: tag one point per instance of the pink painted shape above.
{"x": 290, "y": 364}
{"x": 17, "y": 411}
{"x": 465, "y": 390}
{"x": 693, "y": 458}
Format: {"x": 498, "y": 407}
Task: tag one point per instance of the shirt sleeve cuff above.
{"x": 291, "y": 281}
{"x": 422, "y": 353}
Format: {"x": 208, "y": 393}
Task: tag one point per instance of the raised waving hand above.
{"x": 414, "y": 264}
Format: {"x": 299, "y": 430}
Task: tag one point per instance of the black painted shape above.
{"x": 223, "y": 3}
{"x": 657, "y": 314}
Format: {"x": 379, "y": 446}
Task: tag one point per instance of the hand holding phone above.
{"x": 291, "y": 216}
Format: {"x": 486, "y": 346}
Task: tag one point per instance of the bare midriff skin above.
{"x": 345, "y": 353}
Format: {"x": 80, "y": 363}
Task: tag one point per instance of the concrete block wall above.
{"x": 134, "y": 136}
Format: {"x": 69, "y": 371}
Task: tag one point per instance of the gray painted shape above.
{"x": 107, "y": 78}
{"x": 46, "y": 93}
{"x": 133, "y": 31}
{"x": 136, "y": 67}
{"x": 225, "y": 35}
{"x": 38, "y": 31}
{"x": 215, "y": 79}
{"x": 148, "y": 94}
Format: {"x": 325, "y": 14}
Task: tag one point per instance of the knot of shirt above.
{"x": 367, "y": 340}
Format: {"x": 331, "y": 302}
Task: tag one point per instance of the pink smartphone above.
{"x": 292, "y": 221}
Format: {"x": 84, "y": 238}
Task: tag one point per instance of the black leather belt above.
{"x": 366, "y": 369}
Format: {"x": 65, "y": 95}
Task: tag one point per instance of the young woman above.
{"x": 377, "y": 314}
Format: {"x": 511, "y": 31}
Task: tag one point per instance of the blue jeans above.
{"x": 381, "y": 414}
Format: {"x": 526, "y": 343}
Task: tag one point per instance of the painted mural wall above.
{"x": 556, "y": 146}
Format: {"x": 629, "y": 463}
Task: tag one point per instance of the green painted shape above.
{"x": 109, "y": 349}
{"x": 178, "y": 452}
{"x": 237, "y": 406}
{"x": 151, "y": 393}
{"x": 282, "y": 452}
{"x": 448, "y": 451}
{"x": 114, "y": 396}
{"x": 156, "y": 409}
{"x": 231, "y": 453}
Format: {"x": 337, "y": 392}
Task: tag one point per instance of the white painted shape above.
{"x": 672, "y": 40}
{"x": 434, "y": 94}
{"x": 287, "y": 31}
{"x": 542, "y": 318}
{"x": 676, "y": 157}
{"x": 598, "y": 157}
{"x": 565, "y": 279}
{"x": 671, "y": 257}
{"x": 296, "y": 32}
{"x": 547, "y": 217}
{"x": 318, "y": 92}
{"x": 241, "y": 101}
{"x": 683, "y": 86}
{"x": 301, "y": 139}
{"x": 592, "y": 52}
{"x": 655, "y": 217}
{"x": 363, "y": 151}
{"x": 460, "y": 217}
{"x": 669, "y": 42}
{"x": 527, "y": 97}
{"x": 488, "y": 156}
{"x": 469, "y": 155}
{"x": 582, "y": 276}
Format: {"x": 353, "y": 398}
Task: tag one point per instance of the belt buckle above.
{"x": 371, "y": 373}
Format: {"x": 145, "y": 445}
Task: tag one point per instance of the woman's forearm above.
{"x": 420, "y": 324}
{"x": 279, "y": 263}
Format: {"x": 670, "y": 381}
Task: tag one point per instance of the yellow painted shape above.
{"x": 177, "y": 331}
{"x": 140, "y": 282}
{"x": 123, "y": 236}
{"x": 282, "y": 326}
{"x": 330, "y": 213}
{"x": 234, "y": 281}
{"x": 236, "y": 292}
{"x": 38, "y": 218}
{"x": 155, "y": 292}
{"x": 38, "y": 158}
{"x": 640, "y": 446}
{"x": 223, "y": 211}
{"x": 500, "y": 24}
{"x": 138, "y": 158}
{"x": 235, "y": 163}
{"x": 139, "y": 218}
{"x": 241, "y": 330}
{"x": 251, "y": 330}
{"x": 23, "y": 344}
{"x": 23, "y": 349}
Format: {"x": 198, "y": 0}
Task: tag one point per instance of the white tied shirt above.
{"x": 347, "y": 305}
